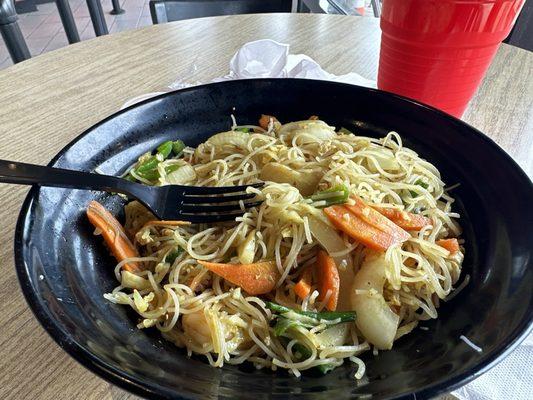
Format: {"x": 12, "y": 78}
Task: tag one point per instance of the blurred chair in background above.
{"x": 376, "y": 7}
{"x": 97, "y": 18}
{"x": 341, "y": 7}
{"x": 67, "y": 19}
{"x": 10, "y": 30}
{"x": 522, "y": 33}
{"x": 116, "y": 8}
{"x": 174, "y": 10}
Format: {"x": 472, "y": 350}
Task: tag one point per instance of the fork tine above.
{"x": 217, "y": 199}
{"x": 208, "y": 208}
{"x": 209, "y": 218}
{"x": 209, "y": 190}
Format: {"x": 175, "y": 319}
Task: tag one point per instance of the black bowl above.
{"x": 64, "y": 270}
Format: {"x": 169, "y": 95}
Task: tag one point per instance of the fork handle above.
{"x": 30, "y": 174}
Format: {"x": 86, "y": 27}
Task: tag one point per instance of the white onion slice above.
{"x": 235, "y": 138}
{"x": 375, "y": 319}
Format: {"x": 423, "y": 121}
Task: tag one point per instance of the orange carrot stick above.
{"x": 404, "y": 219}
{"x": 303, "y": 287}
{"x": 328, "y": 280}
{"x": 113, "y": 234}
{"x": 375, "y": 219}
{"x": 257, "y": 278}
{"x": 264, "y": 121}
{"x": 452, "y": 245}
{"x": 358, "y": 229}
{"x": 378, "y": 235}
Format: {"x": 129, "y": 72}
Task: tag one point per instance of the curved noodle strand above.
{"x": 198, "y": 310}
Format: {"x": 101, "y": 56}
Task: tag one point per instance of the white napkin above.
{"x": 511, "y": 379}
{"x": 269, "y": 59}
{"x": 265, "y": 59}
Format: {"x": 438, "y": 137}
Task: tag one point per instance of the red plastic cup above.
{"x": 437, "y": 51}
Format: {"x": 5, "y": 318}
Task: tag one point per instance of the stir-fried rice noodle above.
{"x": 203, "y": 313}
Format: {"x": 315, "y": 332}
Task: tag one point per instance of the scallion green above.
{"x": 342, "y": 316}
{"x": 177, "y": 147}
{"x": 165, "y": 149}
{"x": 420, "y": 183}
{"x": 338, "y": 194}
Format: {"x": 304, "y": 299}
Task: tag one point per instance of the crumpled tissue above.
{"x": 266, "y": 58}
{"x": 269, "y": 59}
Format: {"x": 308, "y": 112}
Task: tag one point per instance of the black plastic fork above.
{"x": 195, "y": 204}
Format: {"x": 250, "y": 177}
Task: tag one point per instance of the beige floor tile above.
{"x": 83, "y": 23}
{"x": 52, "y": 17}
{"x": 120, "y": 26}
{"x": 46, "y": 30}
{"x": 145, "y": 11}
{"x": 3, "y": 52}
{"x": 144, "y": 21}
{"x": 28, "y": 23}
{"x": 58, "y": 41}
{"x": 88, "y": 33}
{"x": 6, "y": 63}
{"x": 37, "y": 45}
{"x": 133, "y": 3}
{"x": 110, "y": 17}
{"x": 82, "y": 11}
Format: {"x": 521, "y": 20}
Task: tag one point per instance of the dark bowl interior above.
{"x": 64, "y": 270}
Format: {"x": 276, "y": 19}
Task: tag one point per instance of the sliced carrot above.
{"x": 375, "y": 219}
{"x": 328, "y": 280}
{"x": 379, "y": 237}
{"x": 113, "y": 234}
{"x": 257, "y": 278}
{"x": 404, "y": 219}
{"x": 264, "y": 121}
{"x": 303, "y": 286}
{"x": 452, "y": 245}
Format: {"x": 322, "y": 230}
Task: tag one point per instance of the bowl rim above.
{"x": 147, "y": 389}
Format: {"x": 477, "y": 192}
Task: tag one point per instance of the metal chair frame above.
{"x": 69, "y": 24}
{"x": 159, "y": 9}
{"x": 11, "y": 33}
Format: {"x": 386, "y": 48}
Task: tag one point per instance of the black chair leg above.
{"x": 18, "y": 50}
{"x": 67, "y": 19}
{"x": 116, "y": 8}
{"x": 376, "y": 7}
{"x": 10, "y": 30}
{"x": 97, "y": 17}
